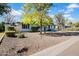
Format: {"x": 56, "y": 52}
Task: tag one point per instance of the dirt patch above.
{"x": 27, "y": 46}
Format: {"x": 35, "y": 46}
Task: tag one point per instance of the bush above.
{"x": 72, "y": 29}
{"x": 76, "y": 24}
{"x": 10, "y": 33}
{"x": 11, "y": 28}
{"x": 21, "y": 35}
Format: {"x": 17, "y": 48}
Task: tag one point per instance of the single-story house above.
{"x": 23, "y": 27}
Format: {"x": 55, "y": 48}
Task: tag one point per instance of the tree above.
{"x": 34, "y": 20}
{"x": 9, "y": 19}
{"x": 33, "y": 7}
{"x": 40, "y": 9}
{"x": 76, "y": 24}
{"x": 2, "y": 27}
{"x": 71, "y": 24}
{"x": 4, "y": 8}
{"x": 60, "y": 21}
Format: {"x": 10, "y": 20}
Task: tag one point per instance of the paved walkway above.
{"x": 68, "y": 47}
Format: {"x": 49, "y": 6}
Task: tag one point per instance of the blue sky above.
{"x": 16, "y": 6}
{"x": 70, "y": 10}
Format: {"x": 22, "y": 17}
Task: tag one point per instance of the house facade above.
{"x": 29, "y": 27}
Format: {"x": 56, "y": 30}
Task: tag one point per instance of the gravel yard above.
{"x": 33, "y": 43}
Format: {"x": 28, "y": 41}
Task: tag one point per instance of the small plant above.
{"x": 10, "y": 33}
{"x": 11, "y": 28}
{"x": 21, "y": 35}
{"x": 72, "y": 29}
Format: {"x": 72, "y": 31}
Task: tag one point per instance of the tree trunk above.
{"x": 59, "y": 27}
{"x": 41, "y": 26}
{"x": 41, "y": 22}
{"x": 44, "y": 29}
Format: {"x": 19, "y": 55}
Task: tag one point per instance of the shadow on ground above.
{"x": 58, "y": 34}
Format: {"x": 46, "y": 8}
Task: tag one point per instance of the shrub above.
{"x": 76, "y": 24}
{"x": 11, "y": 28}
{"x": 72, "y": 29}
{"x": 21, "y": 35}
{"x": 10, "y": 33}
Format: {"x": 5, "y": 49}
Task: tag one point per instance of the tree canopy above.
{"x": 34, "y": 19}
{"x": 35, "y": 12}
{"x": 33, "y": 7}
{"x": 76, "y": 24}
{"x": 60, "y": 20}
{"x": 4, "y": 8}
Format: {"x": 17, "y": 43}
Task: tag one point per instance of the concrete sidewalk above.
{"x": 73, "y": 50}
{"x": 61, "y": 49}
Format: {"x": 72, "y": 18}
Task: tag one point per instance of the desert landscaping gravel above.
{"x": 33, "y": 43}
